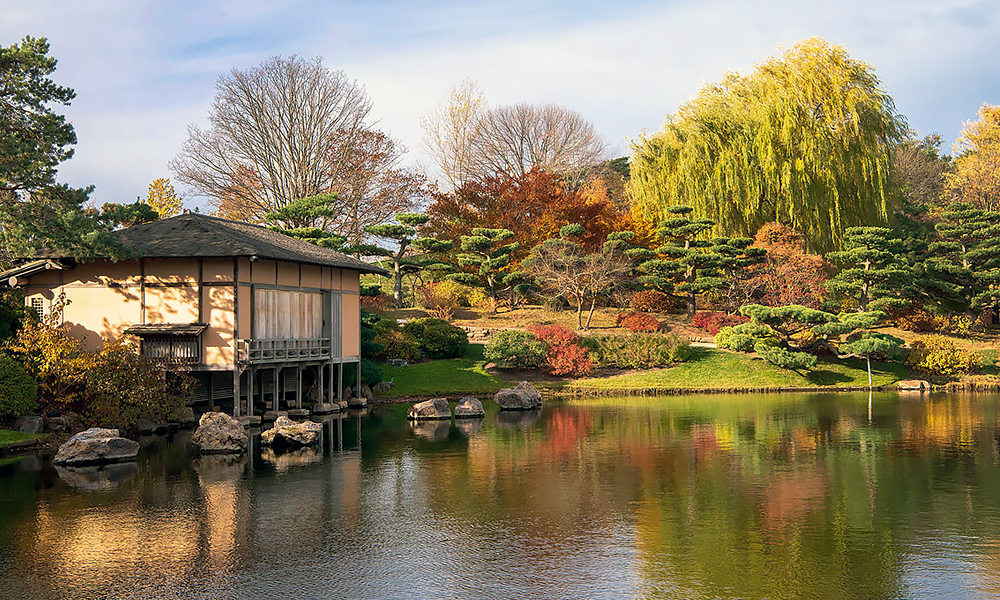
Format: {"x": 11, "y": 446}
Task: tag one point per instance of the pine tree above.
{"x": 963, "y": 266}
{"x": 486, "y": 254}
{"x": 874, "y": 272}
{"x": 402, "y": 234}
{"x": 305, "y": 218}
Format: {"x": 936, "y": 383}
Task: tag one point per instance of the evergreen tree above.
{"x": 486, "y": 255}
{"x": 36, "y": 212}
{"x": 874, "y": 272}
{"x": 963, "y": 266}
{"x": 163, "y": 199}
{"x": 402, "y": 234}
{"x": 305, "y": 218}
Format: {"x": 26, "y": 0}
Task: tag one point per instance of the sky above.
{"x": 144, "y": 71}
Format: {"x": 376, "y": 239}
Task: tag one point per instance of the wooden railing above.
{"x": 267, "y": 351}
{"x": 172, "y": 349}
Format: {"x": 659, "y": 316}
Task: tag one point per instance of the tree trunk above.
{"x": 692, "y": 275}
{"x": 593, "y": 302}
{"x": 397, "y": 284}
{"x": 579, "y": 312}
{"x": 869, "y": 360}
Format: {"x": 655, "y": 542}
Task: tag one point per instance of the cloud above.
{"x": 144, "y": 71}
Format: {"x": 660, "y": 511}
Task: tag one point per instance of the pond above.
{"x": 748, "y": 496}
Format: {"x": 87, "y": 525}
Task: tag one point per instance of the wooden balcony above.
{"x": 253, "y": 352}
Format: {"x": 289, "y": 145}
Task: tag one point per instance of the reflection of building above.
{"x": 242, "y": 306}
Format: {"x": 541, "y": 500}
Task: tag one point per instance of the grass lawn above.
{"x": 8, "y": 437}
{"x": 711, "y": 368}
{"x": 446, "y": 377}
{"x": 708, "y": 369}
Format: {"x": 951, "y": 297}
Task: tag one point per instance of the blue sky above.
{"x": 144, "y": 71}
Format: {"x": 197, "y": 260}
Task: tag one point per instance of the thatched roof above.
{"x": 194, "y": 235}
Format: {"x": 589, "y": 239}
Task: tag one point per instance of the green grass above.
{"x": 715, "y": 369}
{"x": 707, "y": 369}
{"x": 8, "y": 437}
{"x": 446, "y": 377}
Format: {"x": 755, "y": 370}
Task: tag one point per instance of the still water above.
{"x": 765, "y": 496}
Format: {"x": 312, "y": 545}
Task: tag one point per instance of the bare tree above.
{"x": 288, "y": 129}
{"x": 469, "y": 142}
{"x": 450, "y": 131}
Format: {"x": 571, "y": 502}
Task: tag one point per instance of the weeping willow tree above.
{"x": 804, "y": 140}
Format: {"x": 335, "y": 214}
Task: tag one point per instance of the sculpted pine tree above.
{"x": 874, "y": 272}
{"x": 805, "y": 140}
{"x": 305, "y": 219}
{"x": 402, "y": 235}
{"x": 963, "y": 266}
{"x": 485, "y": 255}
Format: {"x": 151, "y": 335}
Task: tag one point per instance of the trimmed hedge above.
{"x": 438, "y": 338}
{"x": 515, "y": 349}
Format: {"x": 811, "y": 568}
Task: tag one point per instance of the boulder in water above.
{"x": 523, "y": 396}
{"x": 95, "y": 446}
{"x": 429, "y": 410}
{"x": 218, "y": 433}
{"x": 469, "y": 408}
{"x": 290, "y": 434}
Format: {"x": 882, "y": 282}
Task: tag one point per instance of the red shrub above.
{"x": 650, "y": 300}
{"x": 568, "y": 359}
{"x": 376, "y": 304}
{"x": 638, "y": 321}
{"x": 712, "y": 322}
{"x": 553, "y": 334}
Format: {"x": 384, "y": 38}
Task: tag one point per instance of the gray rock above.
{"x": 366, "y": 393}
{"x": 187, "y": 418}
{"x": 66, "y": 422}
{"x": 29, "y": 424}
{"x": 324, "y": 409}
{"x": 289, "y": 434}
{"x": 145, "y": 425}
{"x": 95, "y": 446}
{"x": 218, "y": 433}
{"x": 523, "y": 396}
{"x": 298, "y": 413}
{"x": 429, "y": 410}
{"x": 249, "y": 420}
{"x": 397, "y": 362}
{"x": 357, "y": 402}
{"x": 343, "y": 404}
{"x": 914, "y": 384}
{"x": 469, "y": 408}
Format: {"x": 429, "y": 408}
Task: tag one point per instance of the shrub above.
{"x": 568, "y": 360}
{"x": 785, "y": 358}
{"x": 565, "y": 355}
{"x": 989, "y": 357}
{"x": 712, "y": 321}
{"x": 650, "y": 301}
{"x": 18, "y": 391}
{"x": 515, "y": 349}
{"x": 964, "y": 326}
{"x": 637, "y": 321}
{"x": 439, "y": 299}
{"x": 438, "y": 338}
{"x": 937, "y": 355}
{"x": 639, "y": 351}
{"x": 396, "y": 343}
{"x": 54, "y": 359}
{"x": 123, "y": 387}
{"x": 376, "y": 304}
{"x": 745, "y": 337}
{"x": 920, "y": 320}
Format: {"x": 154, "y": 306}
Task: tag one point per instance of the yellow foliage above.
{"x": 938, "y": 355}
{"x": 975, "y": 177}
{"x": 163, "y": 199}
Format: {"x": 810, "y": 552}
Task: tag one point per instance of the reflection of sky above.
{"x": 637, "y": 497}
{"x": 145, "y": 70}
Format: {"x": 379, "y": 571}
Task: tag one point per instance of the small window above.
{"x": 38, "y": 305}
{"x": 171, "y": 349}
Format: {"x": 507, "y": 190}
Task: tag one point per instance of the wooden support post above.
{"x": 330, "y": 393}
{"x": 340, "y": 382}
{"x": 358, "y": 380}
{"x": 211, "y": 390}
{"x": 250, "y": 392}
{"x": 320, "y": 372}
{"x": 274, "y": 390}
{"x": 236, "y": 390}
{"x": 298, "y": 387}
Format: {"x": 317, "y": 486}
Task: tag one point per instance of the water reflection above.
{"x": 746, "y": 496}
